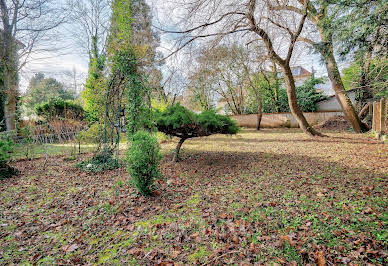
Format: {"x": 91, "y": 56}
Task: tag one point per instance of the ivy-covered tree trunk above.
{"x": 9, "y": 84}
{"x": 10, "y": 103}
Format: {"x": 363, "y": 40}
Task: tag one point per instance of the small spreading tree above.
{"x": 180, "y": 122}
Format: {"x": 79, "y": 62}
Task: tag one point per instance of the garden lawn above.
{"x": 275, "y": 196}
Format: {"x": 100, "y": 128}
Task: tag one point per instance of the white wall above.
{"x": 332, "y": 104}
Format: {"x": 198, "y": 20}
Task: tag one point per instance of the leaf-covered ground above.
{"x": 276, "y": 196}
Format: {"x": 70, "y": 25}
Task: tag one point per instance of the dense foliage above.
{"x": 94, "y": 93}
{"x": 361, "y": 26}
{"x": 308, "y": 96}
{"x": 274, "y": 99}
{"x": 59, "y": 108}
{"x": 376, "y": 77}
{"x": 143, "y": 158}
{"x": 6, "y": 149}
{"x": 361, "y": 33}
{"x": 98, "y": 163}
{"x": 42, "y": 89}
{"x": 178, "y": 121}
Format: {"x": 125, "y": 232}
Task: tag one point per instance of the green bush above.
{"x": 6, "y": 149}
{"x": 59, "y": 108}
{"x": 99, "y": 163}
{"x": 143, "y": 159}
{"x": 93, "y": 135}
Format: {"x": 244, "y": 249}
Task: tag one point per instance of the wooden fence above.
{"x": 379, "y": 118}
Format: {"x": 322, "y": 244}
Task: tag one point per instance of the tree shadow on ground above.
{"x": 301, "y": 140}
{"x": 206, "y": 176}
{"x": 210, "y": 164}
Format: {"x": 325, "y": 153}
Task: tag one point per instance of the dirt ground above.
{"x": 275, "y": 196}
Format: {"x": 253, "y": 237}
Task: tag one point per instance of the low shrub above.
{"x": 99, "y": 163}
{"x": 143, "y": 159}
{"x": 6, "y": 149}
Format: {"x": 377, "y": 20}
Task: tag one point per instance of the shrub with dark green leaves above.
{"x": 100, "y": 162}
{"x": 6, "y": 149}
{"x": 178, "y": 121}
{"x": 59, "y": 108}
{"x": 143, "y": 159}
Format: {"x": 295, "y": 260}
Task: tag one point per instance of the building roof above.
{"x": 299, "y": 72}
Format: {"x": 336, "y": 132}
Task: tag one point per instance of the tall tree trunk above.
{"x": 11, "y": 93}
{"x": 292, "y": 101}
{"x": 275, "y": 89}
{"x": 338, "y": 86}
{"x": 259, "y": 114}
{"x": 9, "y": 67}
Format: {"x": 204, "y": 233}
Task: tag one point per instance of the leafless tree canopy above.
{"x": 31, "y": 23}
{"x": 89, "y": 19}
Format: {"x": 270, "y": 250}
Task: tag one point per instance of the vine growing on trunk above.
{"x": 124, "y": 62}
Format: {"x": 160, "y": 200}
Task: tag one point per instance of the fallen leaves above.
{"x": 70, "y": 248}
{"x": 236, "y": 200}
{"x": 320, "y": 259}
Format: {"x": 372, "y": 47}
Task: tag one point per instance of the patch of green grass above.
{"x": 200, "y": 254}
{"x": 48, "y": 260}
{"x": 107, "y": 255}
{"x": 291, "y": 254}
{"x": 159, "y": 219}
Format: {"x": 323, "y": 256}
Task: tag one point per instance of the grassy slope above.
{"x": 275, "y": 196}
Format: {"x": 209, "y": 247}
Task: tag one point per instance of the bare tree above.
{"x": 24, "y": 25}
{"x": 318, "y": 15}
{"x": 89, "y": 23}
{"x": 221, "y": 70}
{"x": 170, "y": 86}
{"x": 255, "y": 22}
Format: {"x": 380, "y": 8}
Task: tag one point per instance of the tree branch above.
{"x": 203, "y": 25}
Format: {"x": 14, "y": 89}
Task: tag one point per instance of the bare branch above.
{"x": 203, "y": 25}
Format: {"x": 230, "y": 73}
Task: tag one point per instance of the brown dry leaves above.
{"x": 276, "y": 196}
